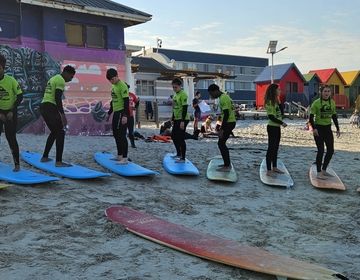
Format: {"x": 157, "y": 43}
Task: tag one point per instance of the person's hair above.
{"x": 213, "y": 87}
{"x": 324, "y": 86}
{"x": 176, "y": 81}
{"x": 197, "y": 92}
{"x": 270, "y": 94}
{"x": 69, "y": 69}
{"x": 2, "y": 61}
{"x": 111, "y": 73}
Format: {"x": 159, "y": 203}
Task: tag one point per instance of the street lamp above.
{"x": 272, "y": 49}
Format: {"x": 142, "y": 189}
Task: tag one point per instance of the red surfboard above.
{"x": 216, "y": 248}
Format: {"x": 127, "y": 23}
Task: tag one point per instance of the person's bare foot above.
{"x": 180, "y": 160}
{"x": 277, "y": 170}
{"x": 45, "y": 159}
{"x": 175, "y": 156}
{"x": 62, "y": 164}
{"x": 123, "y": 161}
{"x": 321, "y": 176}
{"x": 270, "y": 173}
{"x": 16, "y": 168}
{"x": 224, "y": 169}
{"x": 327, "y": 174}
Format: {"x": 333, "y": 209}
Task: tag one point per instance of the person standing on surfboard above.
{"x": 10, "y": 98}
{"x": 274, "y": 114}
{"x": 323, "y": 110}
{"x": 227, "y": 125}
{"x": 51, "y": 109}
{"x": 181, "y": 119}
{"x": 120, "y": 106}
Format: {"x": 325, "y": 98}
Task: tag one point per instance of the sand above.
{"x": 59, "y": 231}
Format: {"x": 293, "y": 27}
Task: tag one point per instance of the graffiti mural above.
{"x": 86, "y": 98}
{"x": 31, "y": 69}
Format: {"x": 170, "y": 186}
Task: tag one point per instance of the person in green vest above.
{"x": 10, "y": 98}
{"x": 181, "y": 118}
{"x": 274, "y": 115}
{"x": 322, "y": 111}
{"x": 227, "y": 125}
{"x": 51, "y": 109}
{"x": 119, "y": 106}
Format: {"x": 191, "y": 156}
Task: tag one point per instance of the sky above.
{"x": 318, "y": 34}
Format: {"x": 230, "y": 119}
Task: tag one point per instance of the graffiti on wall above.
{"x": 86, "y": 97}
{"x": 31, "y": 69}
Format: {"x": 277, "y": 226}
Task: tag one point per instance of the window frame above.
{"x": 84, "y": 34}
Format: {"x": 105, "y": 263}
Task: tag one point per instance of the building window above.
{"x": 337, "y": 89}
{"x": 294, "y": 87}
{"x": 145, "y": 88}
{"x": 8, "y": 27}
{"x": 82, "y": 35}
{"x": 229, "y": 86}
{"x": 288, "y": 87}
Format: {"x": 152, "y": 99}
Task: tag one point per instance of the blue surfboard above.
{"x": 186, "y": 168}
{"x": 73, "y": 172}
{"x": 23, "y": 177}
{"x": 130, "y": 169}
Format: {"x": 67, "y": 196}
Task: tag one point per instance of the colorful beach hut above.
{"x": 352, "y": 86}
{"x": 311, "y": 86}
{"x": 333, "y": 78}
{"x": 290, "y": 80}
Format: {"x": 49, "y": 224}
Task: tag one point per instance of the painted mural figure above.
{"x": 180, "y": 118}
{"x": 322, "y": 111}
{"x": 51, "y": 109}
{"x": 273, "y": 110}
{"x": 10, "y": 98}
{"x": 119, "y": 106}
{"x": 227, "y": 125}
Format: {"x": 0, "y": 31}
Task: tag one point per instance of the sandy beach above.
{"x": 59, "y": 231}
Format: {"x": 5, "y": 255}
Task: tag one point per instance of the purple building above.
{"x": 38, "y": 37}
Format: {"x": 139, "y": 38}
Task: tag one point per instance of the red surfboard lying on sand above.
{"x": 216, "y": 248}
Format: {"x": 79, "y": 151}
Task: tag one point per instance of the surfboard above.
{"x": 213, "y": 174}
{"x": 330, "y": 183}
{"x": 73, "y": 172}
{"x": 281, "y": 180}
{"x": 215, "y": 248}
{"x": 24, "y": 176}
{"x": 130, "y": 169}
{"x": 3, "y": 186}
{"x": 186, "y": 168}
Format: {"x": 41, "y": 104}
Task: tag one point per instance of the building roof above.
{"x": 325, "y": 74}
{"x": 106, "y": 8}
{"x": 280, "y": 70}
{"x": 350, "y": 76}
{"x": 200, "y": 57}
{"x": 148, "y": 65}
{"x": 308, "y": 77}
{"x": 151, "y": 65}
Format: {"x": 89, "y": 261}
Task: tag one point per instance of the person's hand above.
{"x": 124, "y": 120}
{"x": 182, "y": 125}
{"x": 315, "y": 132}
{"x": 338, "y": 133}
{"x": 284, "y": 124}
{"x": 63, "y": 120}
{"x": 2, "y": 118}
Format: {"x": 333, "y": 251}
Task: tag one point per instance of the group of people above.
{"x": 322, "y": 113}
{"x": 122, "y": 107}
